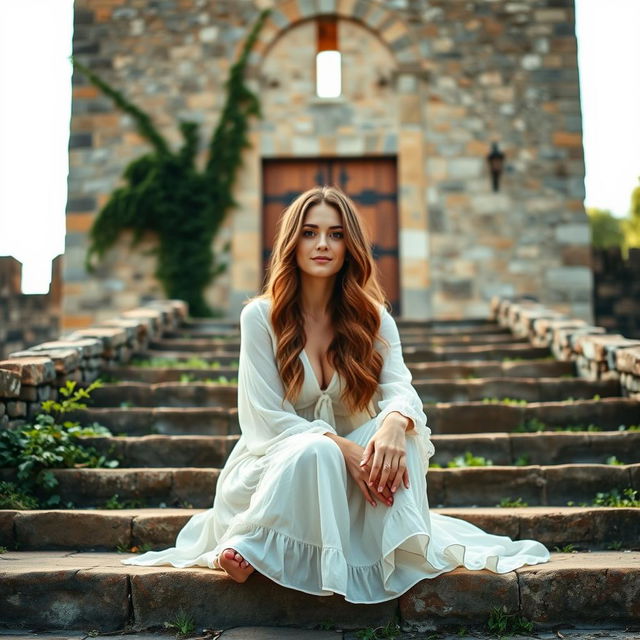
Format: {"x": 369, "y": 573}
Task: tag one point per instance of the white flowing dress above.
{"x": 285, "y": 501}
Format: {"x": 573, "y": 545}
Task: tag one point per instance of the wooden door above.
{"x": 370, "y": 182}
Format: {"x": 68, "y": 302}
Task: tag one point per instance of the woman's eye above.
{"x": 335, "y": 234}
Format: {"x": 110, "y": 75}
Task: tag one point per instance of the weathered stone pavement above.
{"x": 81, "y": 589}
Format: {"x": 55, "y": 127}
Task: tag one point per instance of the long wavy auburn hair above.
{"x": 355, "y": 302}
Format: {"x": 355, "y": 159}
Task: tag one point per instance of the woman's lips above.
{"x": 322, "y": 259}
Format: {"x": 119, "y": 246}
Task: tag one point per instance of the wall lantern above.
{"x": 496, "y": 161}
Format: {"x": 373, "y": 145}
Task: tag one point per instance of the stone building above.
{"x": 426, "y": 87}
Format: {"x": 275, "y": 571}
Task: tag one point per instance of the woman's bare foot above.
{"x": 235, "y": 565}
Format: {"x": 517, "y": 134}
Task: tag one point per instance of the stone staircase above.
{"x": 563, "y": 437}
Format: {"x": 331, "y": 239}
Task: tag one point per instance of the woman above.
{"x": 325, "y": 491}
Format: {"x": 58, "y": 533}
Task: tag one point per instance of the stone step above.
{"x": 479, "y": 352}
{"x": 479, "y": 417}
{"x": 423, "y": 370}
{"x": 443, "y": 418}
{"x": 70, "y": 590}
{"x": 461, "y": 487}
{"x": 202, "y": 394}
{"x": 233, "y": 345}
{"x": 111, "y": 529}
{"x": 140, "y": 421}
{"x": 532, "y": 368}
{"x": 529, "y": 389}
{"x": 488, "y": 328}
{"x": 225, "y": 325}
{"x": 500, "y": 448}
{"x": 410, "y": 354}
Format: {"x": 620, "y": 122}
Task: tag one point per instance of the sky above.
{"x": 35, "y": 108}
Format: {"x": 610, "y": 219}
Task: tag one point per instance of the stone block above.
{"x": 154, "y": 589}
{"x": 195, "y": 486}
{"x": 160, "y": 530}
{"x": 461, "y": 598}
{"x": 9, "y": 383}
{"x": 487, "y": 486}
{"x": 66, "y": 529}
{"x": 7, "y": 536}
{"x": 573, "y": 234}
{"x": 50, "y": 591}
{"x": 605, "y": 591}
{"x": 92, "y": 487}
{"x": 581, "y": 483}
{"x": 33, "y": 370}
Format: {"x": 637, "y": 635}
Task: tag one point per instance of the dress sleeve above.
{"x": 395, "y": 388}
{"x": 265, "y": 417}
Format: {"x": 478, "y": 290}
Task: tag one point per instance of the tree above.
{"x": 631, "y": 224}
{"x": 166, "y": 193}
{"x": 606, "y": 230}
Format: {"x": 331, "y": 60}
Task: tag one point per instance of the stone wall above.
{"x": 28, "y": 377}
{"x": 598, "y": 355}
{"x": 616, "y": 296}
{"x": 432, "y": 83}
{"x": 26, "y": 319}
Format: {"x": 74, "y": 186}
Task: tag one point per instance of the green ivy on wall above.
{"x": 165, "y": 193}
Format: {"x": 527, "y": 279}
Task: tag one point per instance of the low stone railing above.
{"x": 598, "y": 355}
{"x": 28, "y": 377}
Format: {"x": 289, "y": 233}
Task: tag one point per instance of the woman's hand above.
{"x": 388, "y": 447}
{"x": 353, "y": 453}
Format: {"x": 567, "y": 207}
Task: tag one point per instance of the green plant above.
{"x": 522, "y": 460}
{"x": 609, "y": 231}
{"x": 326, "y": 625}
{"x": 51, "y": 442}
{"x": 115, "y": 503}
{"x": 579, "y": 427}
{"x": 502, "y": 622}
{"x": 469, "y": 460}
{"x": 140, "y": 548}
{"x": 614, "y": 499}
{"x": 183, "y": 622}
{"x": 631, "y": 427}
{"x": 173, "y": 363}
{"x": 534, "y": 425}
{"x": 507, "y": 502}
{"x": 507, "y": 401}
{"x": 615, "y": 545}
{"x": 390, "y": 630}
{"x": 606, "y": 230}
{"x": 3, "y": 549}
{"x": 168, "y": 195}
{"x": 530, "y": 425}
{"x": 107, "y": 378}
{"x": 568, "y": 548}
{"x": 613, "y": 460}
{"x": 11, "y": 497}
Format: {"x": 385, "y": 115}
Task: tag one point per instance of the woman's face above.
{"x": 322, "y": 235}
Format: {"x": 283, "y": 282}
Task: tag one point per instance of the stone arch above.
{"x": 384, "y": 23}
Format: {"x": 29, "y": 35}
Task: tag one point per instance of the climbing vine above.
{"x": 165, "y": 193}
